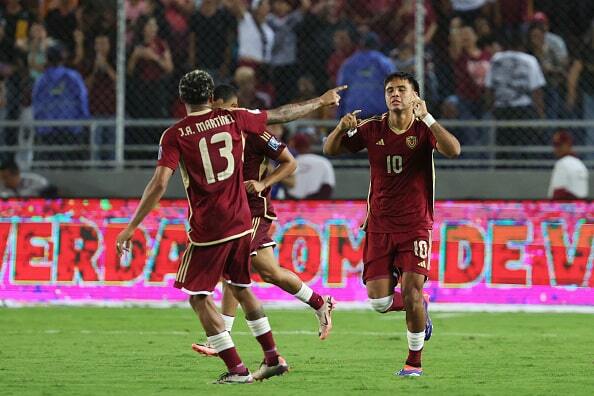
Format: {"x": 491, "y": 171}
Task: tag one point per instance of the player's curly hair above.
{"x": 196, "y": 87}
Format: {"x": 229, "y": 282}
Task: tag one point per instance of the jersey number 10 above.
{"x": 394, "y": 163}
{"x": 225, "y": 152}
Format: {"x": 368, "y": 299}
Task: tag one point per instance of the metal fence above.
{"x": 93, "y": 83}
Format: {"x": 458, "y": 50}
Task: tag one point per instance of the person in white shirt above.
{"x": 20, "y": 184}
{"x": 569, "y": 179}
{"x": 314, "y": 177}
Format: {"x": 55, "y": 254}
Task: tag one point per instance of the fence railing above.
{"x": 92, "y": 152}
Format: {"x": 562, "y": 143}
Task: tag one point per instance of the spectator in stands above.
{"x": 515, "y": 81}
{"x": 314, "y": 177}
{"x": 21, "y": 184}
{"x": 177, "y": 15}
{"x": 515, "y": 91}
{"x": 247, "y": 94}
{"x": 149, "y": 67}
{"x": 470, "y": 64}
{"x": 212, "y": 33}
{"x": 60, "y": 23}
{"x": 397, "y": 25}
{"x": 580, "y": 83}
{"x": 569, "y": 179}
{"x": 100, "y": 77}
{"x": 17, "y": 21}
{"x": 553, "y": 66}
{"x": 316, "y": 33}
{"x": 254, "y": 34}
{"x": 344, "y": 47}
{"x": 59, "y": 94}
{"x": 35, "y": 49}
{"x": 364, "y": 73}
{"x": 283, "y": 22}
{"x": 553, "y": 42}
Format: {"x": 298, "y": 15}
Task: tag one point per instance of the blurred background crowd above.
{"x": 484, "y": 59}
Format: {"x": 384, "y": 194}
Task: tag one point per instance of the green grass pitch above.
{"x": 144, "y": 351}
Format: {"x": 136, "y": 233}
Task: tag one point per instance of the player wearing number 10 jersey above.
{"x": 397, "y": 244}
{"x": 207, "y": 146}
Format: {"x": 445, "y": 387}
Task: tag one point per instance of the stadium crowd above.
{"x": 280, "y": 51}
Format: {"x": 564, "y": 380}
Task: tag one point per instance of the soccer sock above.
{"x": 224, "y": 346}
{"x": 308, "y": 296}
{"x": 228, "y": 322}
{"x": 260, "y": 329}
{"x": 415, "y": 348}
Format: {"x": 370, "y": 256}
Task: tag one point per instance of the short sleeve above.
{"x": 536, "y": 78}
{"x": 251, "y": 121}
{"x": 354, "y": 140}
{"x": 268, "y": 145}
{"x": 169, "y": 152}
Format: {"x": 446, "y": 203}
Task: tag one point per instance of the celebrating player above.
{"x": 257, "y": 153}
{"x": 399, "y": 219}
{"x": 207, "y": 145}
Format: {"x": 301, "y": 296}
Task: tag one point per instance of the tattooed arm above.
{"x": 292, "y": 111}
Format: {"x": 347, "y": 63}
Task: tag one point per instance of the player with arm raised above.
{"x": 207, "y": 147}
{"x": 397, "y": 246}
{"x": 259, "y": 149}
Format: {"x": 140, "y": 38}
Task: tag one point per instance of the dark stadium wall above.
{"x": 350, "y": 184}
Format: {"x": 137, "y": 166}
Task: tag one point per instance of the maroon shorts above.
{"x": 387, "y": 254}
{"x": 261, "y": 235}
{"x": 202, "y": 267}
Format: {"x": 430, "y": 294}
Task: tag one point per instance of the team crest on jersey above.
{"x": 411, "y": 142}
{"x": 273, "y": 143}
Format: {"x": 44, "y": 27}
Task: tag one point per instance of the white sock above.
{"x": 221, "y": 341}
{"x": 228, "y": 322}
{"x": 259, "y": 326}
{"x": 415, "y": 340}
{"x": 304, "y": 294}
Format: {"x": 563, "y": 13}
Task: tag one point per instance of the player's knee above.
{"x": 381, "y": 305}
{"x": 412, "y": 298}
{"x": 268, "y": 276}
{"x": 197, "y": 300}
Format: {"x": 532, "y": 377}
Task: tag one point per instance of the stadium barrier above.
{"x": 530, "y": 253}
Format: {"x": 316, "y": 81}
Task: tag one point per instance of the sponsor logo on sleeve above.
{"x": 254, "y": 111}
{"x": 273, "y": 143}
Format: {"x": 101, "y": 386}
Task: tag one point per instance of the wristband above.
{"x": 429, "y": 120}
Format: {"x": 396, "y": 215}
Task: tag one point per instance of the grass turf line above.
{"x": 129, "y": 351}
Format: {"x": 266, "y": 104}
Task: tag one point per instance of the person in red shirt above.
{"x": 207, "y": 147}
{"x": 397, "y": 246}
{"x": 258, "y": 151}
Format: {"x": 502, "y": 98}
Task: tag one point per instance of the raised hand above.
{"x": 419, "y": 107}
{"x": 332, "y": 96}
{"x": 349, "y": 121}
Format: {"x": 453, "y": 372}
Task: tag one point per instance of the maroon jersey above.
{"x": 402, "y": 175}
{"x": 208, "y": 148}
{"x": 258, "y": 150}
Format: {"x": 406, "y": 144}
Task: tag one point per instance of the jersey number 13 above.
{"x": 225, "y": 152}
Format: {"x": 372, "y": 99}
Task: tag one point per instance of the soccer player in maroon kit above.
{"x": 258, "y": 150}
{"x": 207, "y": 146}
{"x": 397, "y": 247}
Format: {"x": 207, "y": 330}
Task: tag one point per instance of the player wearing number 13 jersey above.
{"x": 207, "y": 147}
{"x": 399, "y": 219}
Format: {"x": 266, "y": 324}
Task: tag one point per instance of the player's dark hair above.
{"x": 403, "y": 76}
{"x": 224, "y": 92}
{"x": 10, "y": 165}
{"x": 196, "y": 87}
